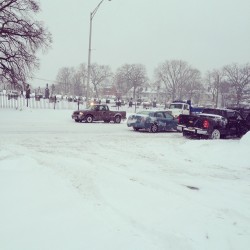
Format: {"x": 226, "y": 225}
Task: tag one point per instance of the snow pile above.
{"x": 245, "y": 140}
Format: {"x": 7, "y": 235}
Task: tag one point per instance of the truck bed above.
{"x": 186, "y": 121}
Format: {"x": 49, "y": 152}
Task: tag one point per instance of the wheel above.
{"x": 117, "y": 119}
{"x": 89, "y": 119}
{"x": 77, "y": 120}
{"x": 215, "y": 134}
{"x": 135, "y": 129}
{"x": 154, "y": 128}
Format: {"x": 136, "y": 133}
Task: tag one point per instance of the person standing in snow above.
{"x": 27, "y": 95}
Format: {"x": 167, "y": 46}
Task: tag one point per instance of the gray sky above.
{"x": 207, "y": 34}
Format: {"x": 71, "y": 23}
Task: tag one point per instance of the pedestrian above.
{"x": 27, "y": 94}
{"x": 130, "y": 103}
{"x": 28, "y": 91}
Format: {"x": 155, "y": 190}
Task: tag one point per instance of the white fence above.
{"x": 21, "y": 102}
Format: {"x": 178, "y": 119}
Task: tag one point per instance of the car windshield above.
{"x": 93, "y": 107}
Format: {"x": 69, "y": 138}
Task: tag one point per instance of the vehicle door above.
{"x": 160, "y": 119}
{"x": 98, "y": 112}
{"x": 171, "y": 122}
{"x": 106, "y": 115}
{"x": 103, "y": 113}
{"x": 186, "y": 109}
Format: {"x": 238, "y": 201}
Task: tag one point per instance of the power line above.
{"x": 46, "y": 80}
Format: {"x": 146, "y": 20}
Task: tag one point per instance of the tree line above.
{"x": 173, "y": 79}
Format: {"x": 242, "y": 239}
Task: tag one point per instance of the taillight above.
{"x": 206, "y": 124}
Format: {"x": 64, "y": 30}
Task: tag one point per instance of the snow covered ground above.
{"x": 73, "y": 186}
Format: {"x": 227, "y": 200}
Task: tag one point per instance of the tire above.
{"x": 135, "y": 129}
{"x": 89, "y": 119}
{"x": 154, "y": 128}
{"x": 117, "y": 119}
{"x": 77, "y": 120}
{"x": 106, "y": 121}
{"x": 215, "y": 135}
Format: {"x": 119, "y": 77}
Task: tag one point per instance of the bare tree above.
{"x": 130, "y": 76}
{"x": 192, "y": 87}
{"x": 239, "y": 79}
{"x": 64, "y": 79}
{"x": 99, "y": 74}
{"x": 82, "y": 71}
{"x": 121, "y": 79}
{"x": 176, "y": 75}
{"x": 21, "y": 36}
{"x": 195, "y": 91}
{"x": 214, "y": 80}
{"x": 76, "y": 85}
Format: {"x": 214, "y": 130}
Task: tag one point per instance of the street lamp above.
{"x": 92, "y": 14}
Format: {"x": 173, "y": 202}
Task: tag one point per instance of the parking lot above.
{"x": 130, "y": 189}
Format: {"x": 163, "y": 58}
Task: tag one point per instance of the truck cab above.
{"x": 183, "y": 108}
{"x": 178, "y": 108}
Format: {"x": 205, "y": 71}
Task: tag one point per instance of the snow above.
{"x": 72, "y": 186}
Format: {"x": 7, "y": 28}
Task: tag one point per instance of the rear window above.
{"x": 230, "y": 114}
{"x": 212, "y": 111}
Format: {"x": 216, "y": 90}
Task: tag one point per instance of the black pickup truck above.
{"x": 214, "y": 124}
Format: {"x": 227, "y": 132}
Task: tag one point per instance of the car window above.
{"x": 239, "y": 116}
{"x": 168, "y": 116}
{"x": 231, "y": 114}
{"x": 158, "y": 114}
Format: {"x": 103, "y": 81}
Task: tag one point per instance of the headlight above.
{"x": 81, "y": 113}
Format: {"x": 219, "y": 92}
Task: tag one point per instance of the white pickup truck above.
{"x": 182, "y": 107}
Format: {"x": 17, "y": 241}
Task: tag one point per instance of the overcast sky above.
{"x": 207, "y": 34}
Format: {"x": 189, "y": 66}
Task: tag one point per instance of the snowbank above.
{"x": 245, "y": 140}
